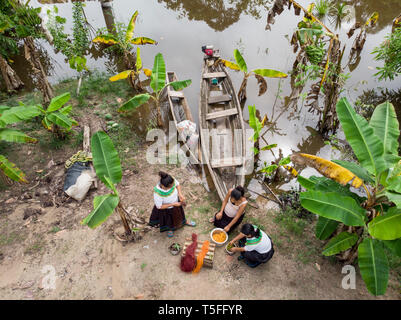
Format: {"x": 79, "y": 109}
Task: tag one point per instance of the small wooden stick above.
{"x": 270, "y": 190}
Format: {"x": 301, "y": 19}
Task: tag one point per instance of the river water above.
{"x": 181, "y": 27}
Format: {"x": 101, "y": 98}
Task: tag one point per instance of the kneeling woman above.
{"x": 255, "y": 246}
{"x": 232, "y": 210}
{"x": 168, "y": 212}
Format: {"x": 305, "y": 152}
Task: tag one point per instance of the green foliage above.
{"x": 56, "y": 115}
{"x": 376, "y": 146}
{"x": 105, "y": 158}
{"x": 158, "y": 84}
{"x": 121, "y": 41}
{"x": 340, "y": 243}
{"x": 323, "y": 7}
{"x": 75, "y": 46}
{"x": 289, "y": 220}
{"x": 389, "y": 52}
{"x": 108, "y": 169}
{"x": 17, "y": 21}
{"x": 11, "y": 116}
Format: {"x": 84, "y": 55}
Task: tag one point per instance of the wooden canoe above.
{"x": 180, "y": 111}
{"x": 221, "y": 127}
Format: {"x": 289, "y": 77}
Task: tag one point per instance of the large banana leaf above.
{"x": 325, "y": 228}
{"x": 327, "y": 185}
{"x": 254, "y": 122}
{"x": 131, "y": 27}
{"x": 240, "y": 61}
{"x": 306, "y": 183}
{"x": 105, "y": 158}
{"x": 106, "y": 39}
{"x": 356, "y": 169}
{"x": 122, "y": 75}
{"x": 66, "y": 110}
{"x": 11, "y": 135}
{"x": 394, "y": 246}
{"x": 3, "y": 108}
{"x": 134, "y": 102}
{"x": 138, "y": 63}
{"x": 103, "y": 208}
{"x": 111, "y": 185}
{"x": 11, "y": 171}
{"x": 269, "y": 73}
{"x": 179, "y": 85}
{"x": 340, "y": 243}
{"x": 334, "y": 206}
{"x": 60, "y": 119}
{"x": 366, "y": 145}
{"x": 393, "y": 180}
{"x": 17, "y": 114}
{"x": 142, "y": 41}
{"x": 328, "y": 169}
{"x": 385, "y": 126}
{"x": 158, "y": 77}
{"x": 57, "y": 102}
{"x": 394, "y": 197}
{"x": 373, "y": 265}
{"x": 388, "y": 226}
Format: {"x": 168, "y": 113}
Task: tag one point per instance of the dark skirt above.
{"x": 167, "y": 219}
{"x": 254, "y": 258}
{"x": 226, "y": 220}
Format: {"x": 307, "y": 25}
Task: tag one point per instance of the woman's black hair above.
{"x": 249, "y": 230}
{"x": 238, "y": 192}
{"x": 165, "y": 179}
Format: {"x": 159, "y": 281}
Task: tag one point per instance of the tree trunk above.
{"x": 108, "y": 14}
{"x": 42, "y": 83}
{"x": 121, "y": 212}
{"x": 11, "y": 79}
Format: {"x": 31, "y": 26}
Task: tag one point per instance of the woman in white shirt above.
{"x": 232, "y": 210}
{"x": 255, "y": 245}
{"x": 168, "y": 212}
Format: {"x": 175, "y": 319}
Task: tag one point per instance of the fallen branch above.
{"x": 271, "y": 191}
{"x": 263, "y": 196}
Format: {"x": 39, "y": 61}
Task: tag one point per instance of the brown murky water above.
{"x": 182, "y": 26}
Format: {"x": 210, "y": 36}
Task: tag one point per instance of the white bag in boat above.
{"x": 192, "y": 142}
{"x": 186, "y": 128}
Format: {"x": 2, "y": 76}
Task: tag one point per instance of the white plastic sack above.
{"x": 186, "y": 128}
{"x": 192, "y": 142}
{"x": 81, "y": 187}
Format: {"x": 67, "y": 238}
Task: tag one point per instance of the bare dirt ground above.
{"x": 92, "y": 264}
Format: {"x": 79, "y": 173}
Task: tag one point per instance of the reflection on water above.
{"x": 387, "y": 10}
{"x": 24, "y": 69}
{"x": 218, "y": 14}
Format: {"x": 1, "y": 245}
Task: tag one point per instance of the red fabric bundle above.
{"x": 188, "y": 262}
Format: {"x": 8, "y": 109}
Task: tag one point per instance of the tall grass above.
{"x": 323, "y": 8}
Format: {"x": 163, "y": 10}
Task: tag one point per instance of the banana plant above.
{"x": 259, "y": 74}
{"x": 108, "y": 169}
{"x": 123, "y": 41}
{"x": 158, "y": 84}
{"x": 56, "y": 117}
{"x": 133, "y": 75}
{"x": 363, "y": 225}
{"x": 10, "y": 116}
